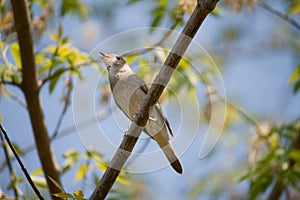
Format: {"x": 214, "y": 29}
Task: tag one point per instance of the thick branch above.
{"x": 203, "y": 8}
{"x": 30, "y": 89}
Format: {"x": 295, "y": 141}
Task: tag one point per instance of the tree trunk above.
{"x": 30, "y": 89}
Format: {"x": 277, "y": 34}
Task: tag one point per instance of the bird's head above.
{"x": 112, "y": 60}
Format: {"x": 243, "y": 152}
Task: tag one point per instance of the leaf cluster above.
{"x": 277, "y": 160}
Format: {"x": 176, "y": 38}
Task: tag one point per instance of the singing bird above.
{"x": 129, "y": 91}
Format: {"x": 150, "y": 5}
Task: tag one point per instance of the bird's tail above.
{"x": 168, "y": 150}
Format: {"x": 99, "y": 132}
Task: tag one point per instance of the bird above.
{"x": 129, "y": 91}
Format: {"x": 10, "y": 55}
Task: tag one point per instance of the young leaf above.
{"x": 15, "y": 51}
{"x": 81, "y": 171}
{"x": 295, "y": 8}
{"x": 78, "y": 194}
{"x": 59, "y": 31}
{"x": 56, "y": 183}
{"x": 295, "y": 76}
{"x": 55, "y": 77}
{"x": 296, "y": 87}
{"x": 73, "y": 154}
{"x": 74, "y": 7}
{"x": 39, "y": 171}
{"x": 64, "y": 195}
{"x": 39, "y": 181}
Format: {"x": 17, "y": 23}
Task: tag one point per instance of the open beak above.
{"x": 103, "y": 56}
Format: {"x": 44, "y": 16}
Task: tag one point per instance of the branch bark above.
{"x": 30, "y": 89}
{"x": 204, "y": 7}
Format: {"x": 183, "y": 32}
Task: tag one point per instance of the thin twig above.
{"x": 11, "y": 170}
{"x": 153, "y": 46}
{"x": 51, "y": 76}
{"x": 20, "y": 162}
{"x": 69, "y": 86}
{"x": 282, "y": 15}
{"x": 203, "y": 8}
{"x": 10, "y": 66}
{"x": 64, "y": 132}
{"x": 15, "y": 97}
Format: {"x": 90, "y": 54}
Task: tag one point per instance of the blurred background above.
{"x": 233, "y": 100}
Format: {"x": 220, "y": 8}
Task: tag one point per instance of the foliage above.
{"x": 277, "y": 161}
{"x": 274, "y": 156}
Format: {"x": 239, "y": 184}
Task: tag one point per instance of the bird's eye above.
{"x": 118, "y": 58}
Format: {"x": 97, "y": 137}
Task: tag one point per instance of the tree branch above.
{"x": 8, "y": 161}
{"x": 62, "y": 133}
{"x": 283, "y": 16}
{"x": 203, "y": 8}
{"x": 20, "y": 163}
{"x": 66, "y": 98}
{"x": 52, "y": 76}
{"x": 151, "y": 47}
{"x": 13, "y": 96}
{"x": 30, "y": 89}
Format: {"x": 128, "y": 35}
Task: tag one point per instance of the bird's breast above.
{"x": 128, "y": 95}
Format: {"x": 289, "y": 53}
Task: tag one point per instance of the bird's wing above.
{"x": 144, "y": 87}
{"x": 159, "y": 110}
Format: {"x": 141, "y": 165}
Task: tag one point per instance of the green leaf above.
{"x": 295, "y": 75}
{"x": 16, "y": 146}
{"x": 123, "y": 180}
{"x": 67, "y": 166}
{"x": 102, "y": 166}
{"x": 39, "y": 181}
{"x": 245, "y": 177}
{"x": 132, "y": 1}
{"x": 296, "y": 87}
{"x": 14, "y": 183}
{"x": 71, "y": 154}
{"x": 264, "y": 163}
{"x": 295, "y": 155}
{"x": 65, "y": 40}
{"x": 78, "y": 193}
{"x": 74, "y": 7}
{"x": 56, "y": 183}
{"x": 15, "y": 51}
{"x": 93, "y": 154}
{"x": 64, "y": 195}
{"x": 71, "y": 157}
{"x": 39, "y": 171}
{"x": 295, "y": 8}
{"x": 156, "y": 21}
{"x": 260, "y": 184}
{"x": 55, "y": 77}
{"x": 43, "y": 62}
{"x": 53, "y": 36}
{"x": 81, "y": 172}
{"x": 59, "y": 31}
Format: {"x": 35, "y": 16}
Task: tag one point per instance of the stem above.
{"x": 8, "y": 161}
{"x": 20, "y": 163}
{"x": 283, "y": 16}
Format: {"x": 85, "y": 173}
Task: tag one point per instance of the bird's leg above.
{"x": 150, "y": 118}
{"x": 125, "y": 134}
{"x": 153, "y": 119}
